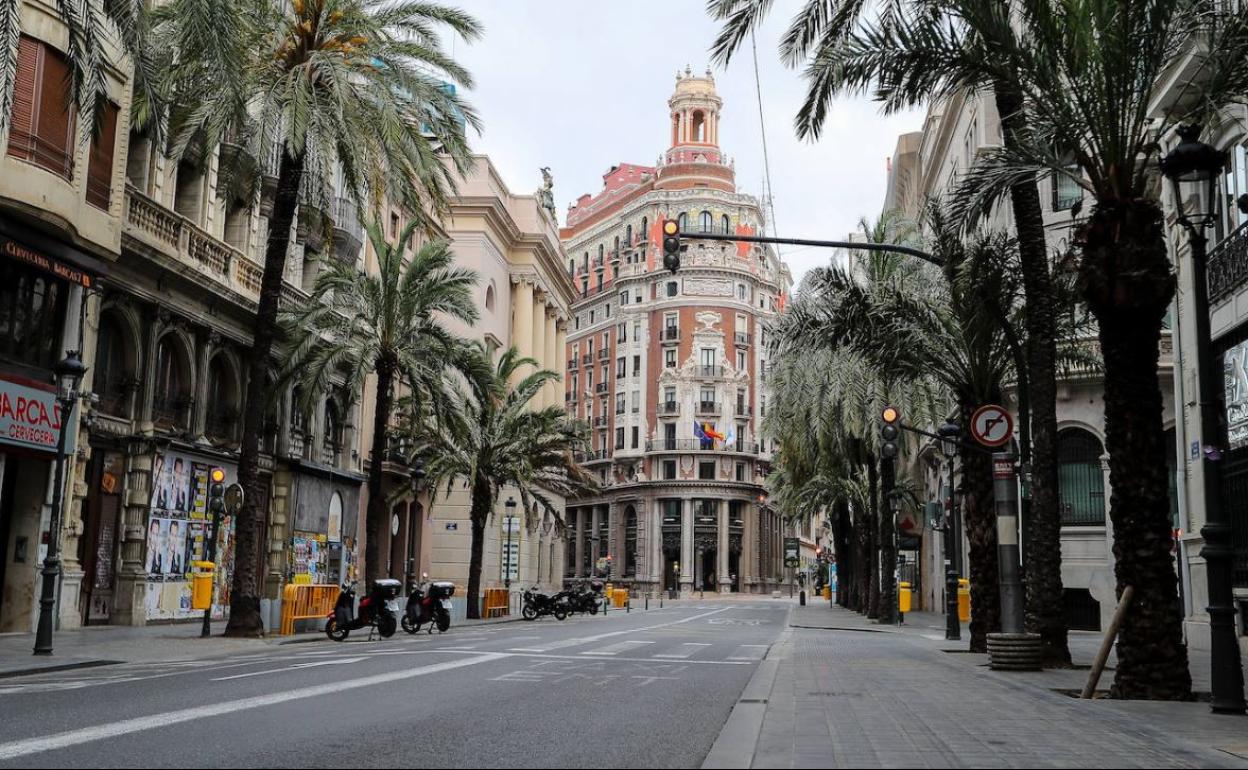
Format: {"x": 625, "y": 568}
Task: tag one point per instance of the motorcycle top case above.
{"x": 441, "y": 589}
{"x": 388, "y": 587}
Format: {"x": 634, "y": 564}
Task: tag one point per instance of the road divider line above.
{"x": 26, "y": 747}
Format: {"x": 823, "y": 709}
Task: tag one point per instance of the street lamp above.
{"x": 510, "y": 518}
{"x": 949, "y": 434}
{"x": 1193, "y": 168}
{"x": 418, "y": 483}
{"x": 69, "y": 374}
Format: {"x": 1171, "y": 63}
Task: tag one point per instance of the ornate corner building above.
{"x": 651, "y": 354}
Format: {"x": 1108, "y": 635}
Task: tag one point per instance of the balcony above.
{"x": 570, "y": 398}
{"x": 604, "y": 355}
{"x": 619, "y": 409}
{"x": 572, "y": 364}
{"x": 600, "y": 421}
{"x": 744, "y": 410}
{"x": 1228, "y": 265}
{"x": 709, "y": 408}
{"x": 587, "y": 359}
{"x": 742, "y": 339}
{"x": 710, "y": 372}
{"x": 348, "y": 231}
{"x": 601, "y": 387}
{"x": 669, "y": 408}
{"x": 586, "y": 458}
{"x": 697, "y": 445}
{"x": 670, "y": 334}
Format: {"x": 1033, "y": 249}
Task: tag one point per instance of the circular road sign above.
{"x": 234, "y": 498}
{"x": 992, "y": 426}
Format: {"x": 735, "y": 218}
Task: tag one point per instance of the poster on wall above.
{"x": 309, "y": 558}
{"x": 177, "y": 530}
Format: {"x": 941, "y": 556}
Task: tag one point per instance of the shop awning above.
{"x": 32, "y": 247}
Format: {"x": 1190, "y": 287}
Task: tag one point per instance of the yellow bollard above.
{"x": 201, "y": 585}
{"x": 827, "y": 592}
{"x": 964, "y": 600}
{"x": 903, "y": 597}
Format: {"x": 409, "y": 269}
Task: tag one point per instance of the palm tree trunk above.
{"x": 841, "y": 534}
{"x": 980, "y": 522}
{"x": 1043, "y": 547}
{"x": 888, "y": 544}
{"x": 246, "y": 584}
{"x": 375, "y": 516}
{"x": 1127, "y": 281}
{"x": 873, "y": 550}
{"x": 482, "y": 504}
{"x": 862, "y": 562}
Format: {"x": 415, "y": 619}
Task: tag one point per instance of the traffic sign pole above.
{"x": 1005, "y": 493}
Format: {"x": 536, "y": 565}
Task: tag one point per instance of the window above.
{"x": 636, "y": 401}
{"x": 170, "y": 385}
{"x": 669, "y": 434}
{"x": 620, "y": 364}
{"x": 1080, "y": 480}
{"x": 636, "y": 366}
{"x": 591, "y": 318}
{"x": 624, "y": 297}
{"x": 708, "y": 356}
{"x": 222, "y": 412}
{"x": 669, "y": 395}
{"x": 394, "y": 225}
{"x": 1066, "y": 191}
{"x": 705, "y": 221}
{"x": 100, "y": 162}
{"x": 619, "y": 438}
{"x": 628, "y": 235}
{"x": 741, "y": 292}
{"x": 740, "y": 471}
{"x": 740, "y": 360}
{"x": 621, "y": 333}
{"x": 1235, "y": 190}
{"x": 608, "y": 313}
{"x": 707, "y": 395}
{"x": 110, "y": 369}
{"x": 671, "y": 289}
{"x": 669, "y": 473}
{"x": 600, "y": 250}
{"x": 41, "y": 130}
{"x": 636, "y": 436}
{"x": 725, "y": 224}
{"x": 637, "y": 297}
{"x": 669, "y": 359}
{"x": 489, "y": 298}
{"x": 619, "y": 403}
{"x": 706, "y": 471}
{"x": 32, "y": 308}
{"x": 606, "y": 373}
{"x": 682, "y": 221}
{"x": 645, "y": 228}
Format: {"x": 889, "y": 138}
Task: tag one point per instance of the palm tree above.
{"x": 390, "y": 325}
{"x": 814, "y": 37}
{"x": 1088, "y": 71}
{"x": 353, "y": 86}
{"x": 491, "y": 437}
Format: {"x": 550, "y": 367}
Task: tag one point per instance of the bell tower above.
{"x": 694, "y": 159}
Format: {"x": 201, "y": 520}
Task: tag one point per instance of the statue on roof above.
{"x": 546, "y": 193}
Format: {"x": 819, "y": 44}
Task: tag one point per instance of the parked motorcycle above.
{"x": 379, "y": 611}
{"x": 430, "y": 606}
{"x": 537, "y": 604}
{"x": 583, "y": 598}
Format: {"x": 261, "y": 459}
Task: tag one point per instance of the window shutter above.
{"x": 21, "y": 134}
{"x": 100, "y": 167}
{"x": 55, "y": 120}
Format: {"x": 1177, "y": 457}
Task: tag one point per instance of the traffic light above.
{"x": 216, "y": 491}
{"x": 889, "y": 432}
{"x": 671, "y": 244}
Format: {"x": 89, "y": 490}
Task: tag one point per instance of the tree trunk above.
{"x": 873, "y": 550}
{"x": 888, "y": 544}
{"x": 375, "y": 517}
{"x": 1126, "y": 278}
{"x": 862, "y": 562}
{"x": 482, "y": 504}
{"x": 980, "y": 522}
{"x": 1043, "y": 546}
{"x": 844, "y": 559}
{"x": 247, "y": 584}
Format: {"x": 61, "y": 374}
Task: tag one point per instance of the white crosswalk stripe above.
{"x": 686, "y": 650}
{"x": 617, "y": 648}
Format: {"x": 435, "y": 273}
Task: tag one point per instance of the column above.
{"x": 749, "y": 547}
{"x": 553, "y": 359}
{"x": 595, "y": 548}
{"x": 580, "y": 542}
{"x": 538, "y": 349}
{"x": 686, "y": 546}
{"x": 658, "y": 559}
{"x": 199, "y": 410}
{"x": 522, "y": 320}
{"x": 721, "y": 550}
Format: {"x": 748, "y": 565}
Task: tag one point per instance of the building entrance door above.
{"x": 97, "y": 548}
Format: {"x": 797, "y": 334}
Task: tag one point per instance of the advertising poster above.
{"x": 177, "y": 530}
{"x": 309, "y": 558}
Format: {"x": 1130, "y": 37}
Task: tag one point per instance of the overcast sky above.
{"x": 582, "y": 86}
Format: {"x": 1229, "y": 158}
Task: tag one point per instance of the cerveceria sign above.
{"x": 29, "y": 415}
{"x": 22, "y": 253}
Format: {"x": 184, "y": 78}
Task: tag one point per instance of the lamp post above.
{"x": 69, "y": 374}
{"x": 510, "y": 518}
{"x": 418, "y": 483}
{"x": 1193, "y": 168}
{"x": 949, "y": 434}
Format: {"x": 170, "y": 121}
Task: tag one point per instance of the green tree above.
{"x": 390, "y": 325}
{"x": 356, "y": 87}
{"x": 491, "y": 437}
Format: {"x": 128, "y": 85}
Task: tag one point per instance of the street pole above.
{"x": 507, "y": 562}
{"x": 953, "y": 624}
{"x": 1227, "y": 675}
{"x": 52, "y": 563}
{"x": 1005, "y": 494}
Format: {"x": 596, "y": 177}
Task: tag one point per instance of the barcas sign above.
{"x": 29, "y": 416}
{"x": 22, "y": 253}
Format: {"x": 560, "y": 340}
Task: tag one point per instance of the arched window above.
{"x": 683, "y": 222}
{"x": 698, "y": 132}
{"x": 1081, "y": 483}
{"x": 222, "y": 412}
{"x": 726, "y": 224}
{"x": 489, "y": 295}
{"x": 645, "y": 229}
{"x": 171, "y": 386}
{"x": 110, "y": 369}
{"x": 628, "y": 236}
{"x": 705, "y": 221}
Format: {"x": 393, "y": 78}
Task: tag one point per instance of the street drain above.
{"x": 752, "y": 700}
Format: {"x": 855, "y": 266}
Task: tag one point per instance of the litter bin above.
{"x": 903, "y": 597}
{"x": 964, "y": 600}
{"x": 201, "y": 585}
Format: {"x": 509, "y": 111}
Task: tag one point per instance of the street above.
{"x": 649, "y": 688}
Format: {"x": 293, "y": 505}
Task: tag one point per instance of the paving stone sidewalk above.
{"x": 847, "y": 692}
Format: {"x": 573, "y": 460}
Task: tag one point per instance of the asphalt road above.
{"x": 649, "y": 689}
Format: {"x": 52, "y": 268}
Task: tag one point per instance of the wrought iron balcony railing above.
{"x": 1228, "y": 264}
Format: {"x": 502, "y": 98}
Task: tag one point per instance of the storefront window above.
{"x": 32, "y": 311}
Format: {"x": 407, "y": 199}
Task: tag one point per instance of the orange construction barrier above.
{"x": 497, "y": 602}
{"x": 302, "y": 602}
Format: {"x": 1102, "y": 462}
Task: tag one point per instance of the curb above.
{"x": 738, "y": 738}
{"x": 58, "y": 667}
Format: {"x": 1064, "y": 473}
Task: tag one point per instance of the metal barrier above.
{"x": 305, "y": 602}
{"x": 497, "y": 603}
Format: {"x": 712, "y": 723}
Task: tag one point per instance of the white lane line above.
{"x": 687, "y": 650}
{"x": 749, "y": 652}
{"x": 295, "y": 667}
{"x": 527, "y": 649}
{"x": 617, "y": 648}
{"x": 23, "y": 748}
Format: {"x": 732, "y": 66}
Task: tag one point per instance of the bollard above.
{"x": 802, "y": 598}
{"x": 1005, "y": 493}
{"x": 647, "y": 601}
{"x": 628, "y": 604}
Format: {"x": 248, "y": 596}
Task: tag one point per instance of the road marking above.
{"x": 617, "y": 648}
{"x": 749, "y": 652}
{"x": 23, "y": 748}
{"x": 687, "y": 650}
{"x": 295, "y": 667}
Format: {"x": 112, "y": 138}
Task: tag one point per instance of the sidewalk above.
{"x": 842, "y": 691}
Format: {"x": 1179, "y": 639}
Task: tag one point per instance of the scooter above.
{"x": 537, "y": 604}
{"x": 378, "y": 611}
{"x": 432, "y": 607}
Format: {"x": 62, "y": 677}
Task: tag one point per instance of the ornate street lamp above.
{"x": 509, "y": 522}
{"x": 69, "y": 374}
{"x": 1193, "y": 168}
{"x": 949, "y": 437}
